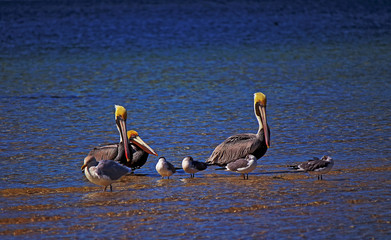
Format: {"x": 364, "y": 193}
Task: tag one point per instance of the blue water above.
{"x": 186, "y": 72}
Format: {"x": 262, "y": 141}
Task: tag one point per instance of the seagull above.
{"x": 243, "y": 165}
{"x": 164, "y": 168}
{"x": 191, "y": 166}
{"x": 316, "y": 166}
{"x": 104, "y": 172}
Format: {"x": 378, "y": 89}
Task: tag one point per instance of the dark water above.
{"x": 187, "y": 74}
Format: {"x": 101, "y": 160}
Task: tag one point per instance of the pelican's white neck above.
{"x": 120, "y": 134}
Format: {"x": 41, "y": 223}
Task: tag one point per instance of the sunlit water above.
{"x": 187, "y": 74}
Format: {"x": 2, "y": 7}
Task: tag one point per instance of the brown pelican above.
{"x": 241, "y": 145}
{"x": 316, "y": 166}
{"x": 133, "y": 154}
{"x": 191, "y": 166}
{"x": 164, "y": 168}
{"x": 104, "y": 172}
{"x": 118, "y": 152}
{"x": 140, "y": 150}
{"x": 243, "y": 165}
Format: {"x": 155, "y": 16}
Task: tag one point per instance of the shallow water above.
{"x": 187, "y": 74}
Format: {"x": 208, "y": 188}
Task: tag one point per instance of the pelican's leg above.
{"x": 247, "y": 176}
{"x": 244, "y": 176}
{"x": 111, "y": 188}
{"x": 104, "y": 189}
{"x": 321, "y": 177}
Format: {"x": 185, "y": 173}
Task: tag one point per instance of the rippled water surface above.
{"x": 186, "y": 74}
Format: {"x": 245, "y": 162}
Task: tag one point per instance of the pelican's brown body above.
{"x": 241, "y": 145}
{"x": 238, "y": 146}
{"x": 115, "y": 151}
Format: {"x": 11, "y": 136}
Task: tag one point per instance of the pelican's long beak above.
{"x": 262, "y": 110}
{"x": 121, "y": 123}
{"x": 139, "y": 142}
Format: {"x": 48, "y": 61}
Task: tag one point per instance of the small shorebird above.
{"x": 240, "y": 145}
{"x": 104, "y": 172}
{"x": 316, "y": 166}
{"x": 243, "y": 165}
{"x": 164, "y": 168}
{"x": 191, "y": 166}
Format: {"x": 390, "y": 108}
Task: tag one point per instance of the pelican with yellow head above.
{"x": 240, "y": 145}
{"x": 124, "y": 151}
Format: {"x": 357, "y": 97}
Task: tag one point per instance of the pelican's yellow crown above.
{"x": 120, "y": 111}
{"x": 132, "y": 133}
{"x": 260, "y": 97}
